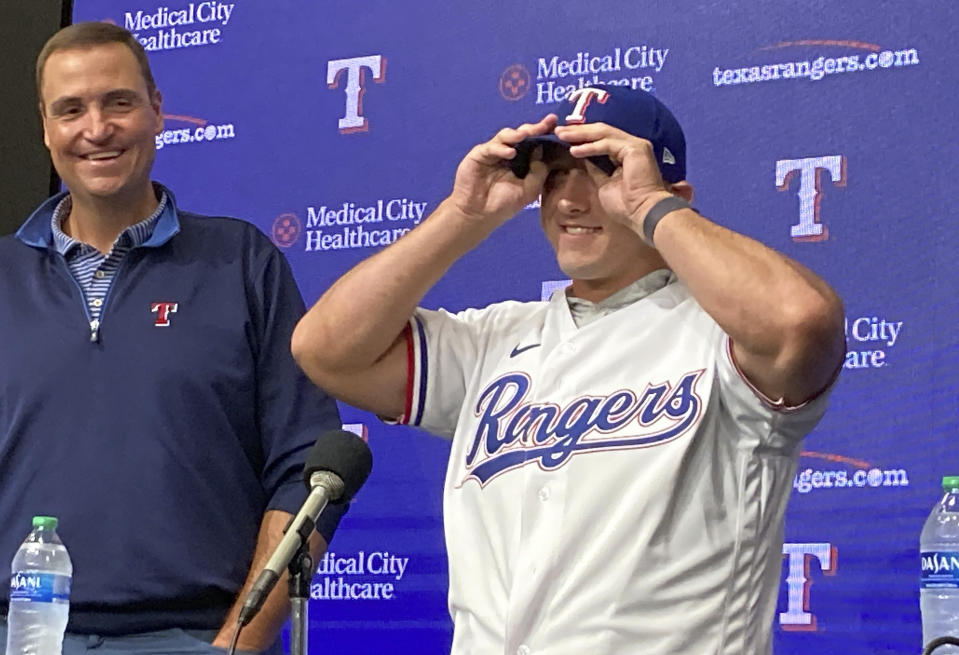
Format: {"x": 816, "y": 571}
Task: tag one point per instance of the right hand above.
{"x": 485, "y": 189}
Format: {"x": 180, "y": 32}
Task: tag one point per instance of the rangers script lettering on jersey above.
{"x": 614, "y": 488}
{"x": 550, "y": 435}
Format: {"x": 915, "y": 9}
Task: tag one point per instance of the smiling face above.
{"x": 100, "y": 122}
{"x": 600, "y": 254}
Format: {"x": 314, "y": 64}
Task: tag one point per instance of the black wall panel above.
{"x": 26, "y": 177}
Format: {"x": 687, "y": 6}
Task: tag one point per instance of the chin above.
{"x": 104, "y": 189}
{"x": 581, "y": 272}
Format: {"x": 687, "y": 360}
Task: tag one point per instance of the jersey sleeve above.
{"x": 750, "y": 407}
{"x": 443, "y": 351}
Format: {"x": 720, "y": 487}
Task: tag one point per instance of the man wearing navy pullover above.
{"x": 148, "y": 397}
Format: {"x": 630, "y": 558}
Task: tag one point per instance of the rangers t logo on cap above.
{"x": 582, "y": 98}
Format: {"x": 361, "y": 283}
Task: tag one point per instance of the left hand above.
{"x": 636, "y": 184}
{"x": 221, "y": 645}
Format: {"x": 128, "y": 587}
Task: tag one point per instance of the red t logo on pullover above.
{"x": 163, "y": 311}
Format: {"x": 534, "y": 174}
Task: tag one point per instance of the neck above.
{"x": 598, "y": 290}
{"x": 99, "y": 221}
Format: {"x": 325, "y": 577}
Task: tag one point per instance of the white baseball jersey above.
{"x": 612, "y": 489}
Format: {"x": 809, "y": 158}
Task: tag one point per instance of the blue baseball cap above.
{"x": 632, "y": 110}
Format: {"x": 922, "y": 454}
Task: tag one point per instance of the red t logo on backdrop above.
{"x": 582, "y": 98}
{"x": 355, "y": 68}
{"x": 163, "y": 311}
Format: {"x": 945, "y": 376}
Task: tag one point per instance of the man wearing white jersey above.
{"x": 621, "y": 454}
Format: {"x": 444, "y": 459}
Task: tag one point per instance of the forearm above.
{"x": 358, "y": 318}
{"x": 264, "y": 629}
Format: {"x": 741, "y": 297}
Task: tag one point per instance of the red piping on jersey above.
{"x": 408, "y": 410}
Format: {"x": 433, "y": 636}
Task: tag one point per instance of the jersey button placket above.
{"x": 542, "y": 507}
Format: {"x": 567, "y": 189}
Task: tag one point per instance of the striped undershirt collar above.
{"x": 137, "y": 234}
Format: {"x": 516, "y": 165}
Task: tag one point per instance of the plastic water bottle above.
{"x": 939, "y": 586}
{"x": 39, "y": 592}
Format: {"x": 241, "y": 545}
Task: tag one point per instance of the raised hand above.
{"x": 485, "y": 189}
{"x": 635, "y": 185}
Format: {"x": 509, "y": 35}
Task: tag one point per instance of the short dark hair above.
{"x": 87, "y": 35}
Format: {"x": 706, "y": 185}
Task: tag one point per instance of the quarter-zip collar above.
{"x": 37, "y": 232}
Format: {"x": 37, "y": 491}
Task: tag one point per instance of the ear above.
{"x": 43, "y": 122}
{"x": 683, "y": 189}
{"x": 156, "y": 103}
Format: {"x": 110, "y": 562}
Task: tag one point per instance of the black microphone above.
{"x": 336, "y": 468}
{"x": 940, "y": 641}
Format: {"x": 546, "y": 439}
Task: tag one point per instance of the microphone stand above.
{"x": 301, "y": 574}
{"x": 337, "y": 466}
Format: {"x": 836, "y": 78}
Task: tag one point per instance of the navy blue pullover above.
{"x": 159, "y": 447}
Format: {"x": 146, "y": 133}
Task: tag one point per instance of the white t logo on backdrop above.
{"x": 355, "y": 69}
{"x": 810, "y": 227}
{"x": 799, "y": 556}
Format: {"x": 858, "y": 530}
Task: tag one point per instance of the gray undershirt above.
{"x": 585, "y": 312}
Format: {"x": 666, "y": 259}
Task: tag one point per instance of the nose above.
{"x": 98, "y": 127}
{"x": 574, "y": 193}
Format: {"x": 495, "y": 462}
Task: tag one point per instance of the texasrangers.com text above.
{"x": 812, "y": 479}
{"x": 194, "y": 135}
{"x": 816, "y": 69}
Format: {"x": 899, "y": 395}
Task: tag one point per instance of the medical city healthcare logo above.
{"x": 361, "y": 575}
{"x": 825, "y": 58}
{"x": 176, "y": 27}
{"x": 870, "y": 338}
{"x": 515, "y": 82}
{"x": 360, "y": 223}
{"x": 560, "y": 73}
{"x": 286, "y": 230}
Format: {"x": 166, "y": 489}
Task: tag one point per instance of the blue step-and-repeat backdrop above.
{"x": 825, "y": 129}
